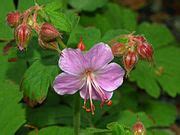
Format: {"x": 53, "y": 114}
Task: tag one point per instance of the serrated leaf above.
{"x": 118, "y": 129}
{"x": 87, "y": 5}
{"x": 144, "y": 75}
{"x": 166, "y": 70}
{"x": 37, "y": 80}
{"x": 128, "y": 118}
{"x": 157, "y": 34}
{"x": 53, "y": 130}
{"x": 25, "y": 4}
{"x": 63, "y": 21}
{"x": 5, "y": 31}
{"x": 89, "y": 35}
{"x": 53, "y": 6}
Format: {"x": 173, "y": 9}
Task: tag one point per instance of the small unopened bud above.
{"x": 140, "y": 38}
{"x": 48, "y": 32}
{"x": 109, "y": 103}
{"x": 139, "y": 129}
{"x": 81, "y": 45}
{"x": 22, "y": 35}
{"x": 118, "y": 49}
{"x": 129, "y": 60}
{"x": 13, "y": 18}
{"x": 145, "y": 51}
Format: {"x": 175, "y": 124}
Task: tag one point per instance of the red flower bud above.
{"x": 22, "y": 35}
{"x": 81, "y": 45}
{"x": 145, "y": 51}
{"x": 140, "y": 38}
{"x": 48, "y": 32}
{"x": 129, "y": 60}
{"x": 13, "y": 18}
{"x": 139, "y": 129}
{"x": 118, "y": 49}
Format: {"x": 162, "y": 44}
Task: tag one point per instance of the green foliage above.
{"x": 158, "y": 35}
{"x": 87, "y": 5}
{"x": 37, "y": 79}
{"x": 5, "y": 30}
{"x": 36, "y": 68}
{"x": 114, "y": 17}
{"x": 12, "y": 114}
{"x": 89, "y": 35}
{"x": 149, "y": 77}
{"x": 53, "y": 130}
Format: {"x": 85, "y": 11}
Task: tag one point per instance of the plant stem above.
{"x": 76, "y": 116}
{"x": 61, "y": 43}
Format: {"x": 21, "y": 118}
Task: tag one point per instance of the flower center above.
{"x": 93, "y": 90}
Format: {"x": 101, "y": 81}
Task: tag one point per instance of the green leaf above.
{"x": 37, "y": 80}
{"x": 128, "y": 118}
{"x": 167, "y": 60}
{"x": 12, "y": 114}
{"x": 167, "y": 70}
{"x": 87, "y": 5}
{"x": 111, "y": 34}
{"x": 95, "y": 131}
{"x": 89, "y": 35}
{"x": 118, "y": 129}
{"x": 5, "y": 31}
{"x": 53, "y": 6}
{"x": 154, "y": 110}
{"x": 157, "y": 34}
{"x": 25, "y": 4}
{"x": 53, "y": 130}
{"x": 63, "y": 21}
{"x": 144, "y": 75}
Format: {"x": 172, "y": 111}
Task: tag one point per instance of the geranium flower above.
{"x": 90, "y": 73}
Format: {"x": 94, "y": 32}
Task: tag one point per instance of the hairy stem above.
{"x": 76, "y": 114}
{"x": 61, "y": 43}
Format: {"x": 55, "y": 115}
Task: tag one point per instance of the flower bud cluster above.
{"x": 131, "y": 48}
{"x": 24, "y": 24}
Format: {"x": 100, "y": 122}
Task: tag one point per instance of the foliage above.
{"x": 35, "y": 69}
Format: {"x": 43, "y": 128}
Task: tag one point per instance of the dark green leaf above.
{"x": 37, "y": 80}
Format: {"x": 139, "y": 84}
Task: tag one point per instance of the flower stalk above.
{"x": 76, "y": 116}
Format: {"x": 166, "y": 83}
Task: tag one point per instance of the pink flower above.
{"x": 90, "y": 73}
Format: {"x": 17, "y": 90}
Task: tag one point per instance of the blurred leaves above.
{"x": 5, "y": 31}
{"x": 166, "y": 73}
{"x": 157, "y": 34}
{"x": 12, "y": 114}
{"x": 53, "y": 130}
{"x": 89, "y": 35}
{"x": 87, "y": 5}
{"x": 114, "y": 17}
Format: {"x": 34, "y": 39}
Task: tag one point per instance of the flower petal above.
{"x": 99, "y": 56}
{"x": 67, "y": 84}
{"x": 85, "y": 94}
{"x": 110, "y": 77}
{"x": 72, "y": 61}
